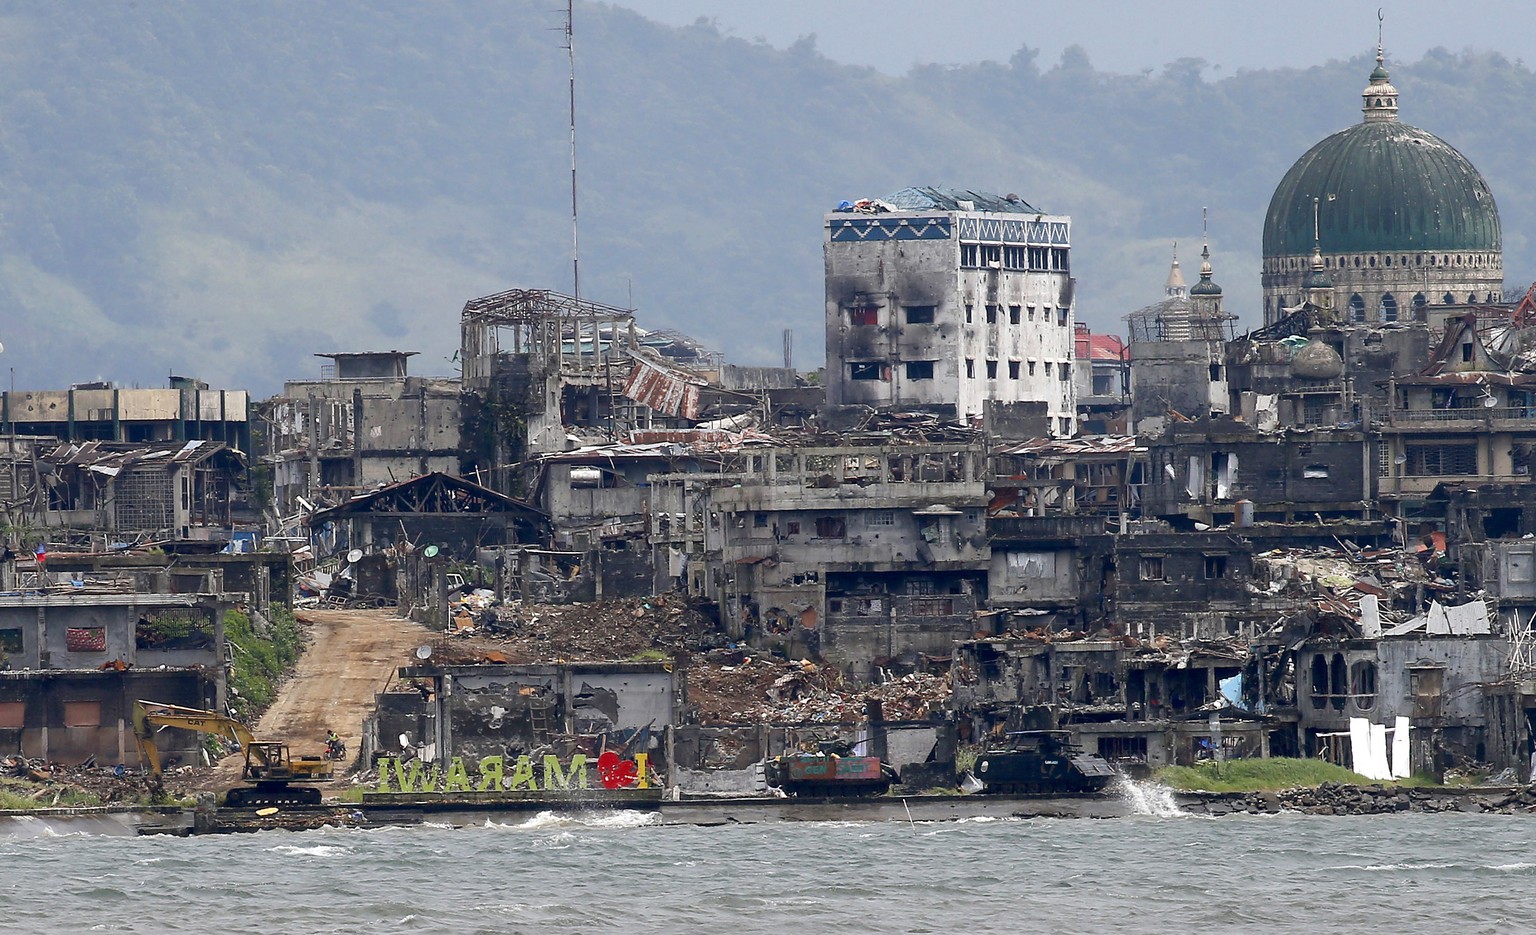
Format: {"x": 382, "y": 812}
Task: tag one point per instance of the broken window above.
{"x": 1123, "y": 749}
{"x": 1032, "y": 564}
{"x": 970, "y": 368}
{"x": 1152, "y": 568}
{"x": 880, "y": 518}
{"x": 1215, "y": 567}
{"x": 1362, "y": 684}
{"x": 1215, "y": 373}
{"x": 1440, "y": 460}
{"x": 1039, "y": 259}
{"x": 1061, "y": 316}
{"x": 1031, "y": 313}
{"x": 1014, "y": 258}
{"x": 969, "y": 253}
{"x": 920, "y": 314}
{"x": 1014, "y": 313}
{"x": 1315, "y": 471}
{"x": 1448, "y": 299}
{"x": 1387, "y": 310}
{"x": 864, "y": 315}
{"x": 991, "y": 255}
{"x": 82, "y": 714}
{"x": 1013, "y": 370}
{"x": 919, "y": 370}
{"x": 1059, "y": 261}
{"x": 1065, "y": 370}
{"x": 865, "y": 370}
{"x": 1466, "y": 352}
{"x": 1031, "y": 368}
{"x": 970, "y": 310}
{"x": 13, "y": 715}
{"x": 1319, "y": 682}
{"x": 831, "y": 527}
{"x": 10, "y": 640}
{"x": 760, "y": 520}
{"x": 179, "y": 628}
{"x": 1356, "y": 308}
{"x": 991, "y": 370}
{"x": 991, "y": 314}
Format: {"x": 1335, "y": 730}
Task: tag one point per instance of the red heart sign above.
{"x": 615, "y": 773}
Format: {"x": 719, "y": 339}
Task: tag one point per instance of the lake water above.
{"x": 629, "y": 872}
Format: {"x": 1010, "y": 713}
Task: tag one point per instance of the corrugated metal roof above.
{"x": 948, "y": 199}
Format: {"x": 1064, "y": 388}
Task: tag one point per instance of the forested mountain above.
{"x": 222, "y": 190}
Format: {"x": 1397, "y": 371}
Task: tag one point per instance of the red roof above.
{"x": 1100, "y": 347}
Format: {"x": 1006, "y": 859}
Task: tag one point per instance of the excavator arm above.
{"x": 149, "y": 715}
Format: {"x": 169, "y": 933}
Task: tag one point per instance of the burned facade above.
{"x": 950, "y": 298}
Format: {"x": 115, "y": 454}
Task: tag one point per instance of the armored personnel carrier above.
{"x": 1042, "y": 762}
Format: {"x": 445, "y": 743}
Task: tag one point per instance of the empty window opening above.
{"x": 1315, "y": 471}
{"x": 831, "y": 527}
{"x": 970, "y": 368}
{"x": 864, "y": 370}
{"x": 1362, "y": 684}
{"x": 1152, "y": 568}
{"x": 919, "y": 370}
{"x": 1013, "y": 370}
{"x": 920, "y": 314}
{"x": 991, "y": 314}
{"x": 1014, "y": 313}
{"x": 991, "y": 370}
{"x": 1215, "y": 567}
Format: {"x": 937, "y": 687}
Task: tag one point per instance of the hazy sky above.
{"x": 1120, "y": 35}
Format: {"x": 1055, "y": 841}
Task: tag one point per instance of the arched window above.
{"x": 1387, "y": 310}
{"x": 1362, "y": 684}
{"x": 1471, "y": 299}
{"x": 1448, "y": 299}
{"x": 1338, "y": 681}
{"x": 1319, "y": 681}
{"x": 1419, "y": 305}
{"x": 1356, "y": 308}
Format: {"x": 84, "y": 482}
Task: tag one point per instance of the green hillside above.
{"x": 222, "y": 190}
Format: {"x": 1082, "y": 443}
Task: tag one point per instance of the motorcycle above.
{"x": 335, "y": 750}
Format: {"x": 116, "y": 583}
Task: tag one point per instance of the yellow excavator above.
{"x": 270, "y": 768}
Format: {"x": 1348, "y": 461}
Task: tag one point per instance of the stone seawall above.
{"x": 1342, "y": 799}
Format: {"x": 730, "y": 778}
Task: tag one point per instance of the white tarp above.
{"x": 1400, "y": 734}
{"x": 1470, "y": 619}
{"x": 1368, "y": 748}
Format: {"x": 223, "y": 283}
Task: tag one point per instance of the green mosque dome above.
{"x": 1382, "y": 186}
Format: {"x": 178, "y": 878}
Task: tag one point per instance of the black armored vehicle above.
{"x": 1042, "y": 762}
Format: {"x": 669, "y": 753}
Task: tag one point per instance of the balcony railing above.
{"x": 1474, "y": 414}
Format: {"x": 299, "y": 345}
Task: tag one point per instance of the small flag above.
{"x": 42, "y": 552}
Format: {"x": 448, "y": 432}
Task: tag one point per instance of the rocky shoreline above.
{"x": 1344, "y": 799}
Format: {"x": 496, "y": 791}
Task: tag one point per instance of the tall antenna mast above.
{"x": 570, "y": 48}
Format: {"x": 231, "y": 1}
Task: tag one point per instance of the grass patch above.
{"x": 651, "y": 655}
{"x": 352, "y": 795}
{"x": 1271, "y": 775}
{"x": 261, "y": 659}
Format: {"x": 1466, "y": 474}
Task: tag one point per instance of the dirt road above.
{"x": 350, "y": 656}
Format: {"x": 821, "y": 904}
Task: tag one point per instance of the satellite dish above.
{"x": 355, "y": 556}
{"x": 424, "y": 651}
{"x": 405, "y": 741}
{"x": 1400, "y": 459}
{"x": 429, "y": 551}
{"x": 1489, "y": 402}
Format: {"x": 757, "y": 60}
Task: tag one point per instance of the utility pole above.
{"x": 570, "y": 48}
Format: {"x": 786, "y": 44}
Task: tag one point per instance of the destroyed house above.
{"x": 869, "y": 556}
{"x": 1223, "y": 471}
{"x": 1054, "y": 505}
{"x": 1435, "y": 669}
{"x": 161, "y": 491}
{"x": 1465, "y": 418}
{"x": 454, "y": 514}
{"x": 365, "y": 422}
{"x": 186, "y": 410}
{"x": 76, "y": 663}
{"x": 944, "y": 298}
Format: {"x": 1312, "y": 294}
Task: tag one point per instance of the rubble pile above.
{"x": 603, "y": 630}
{"x": 56, "y": 784}
{"x": 1332, "y": 798}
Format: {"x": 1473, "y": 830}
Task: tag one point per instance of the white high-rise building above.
{"x": 942, "y": 297}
